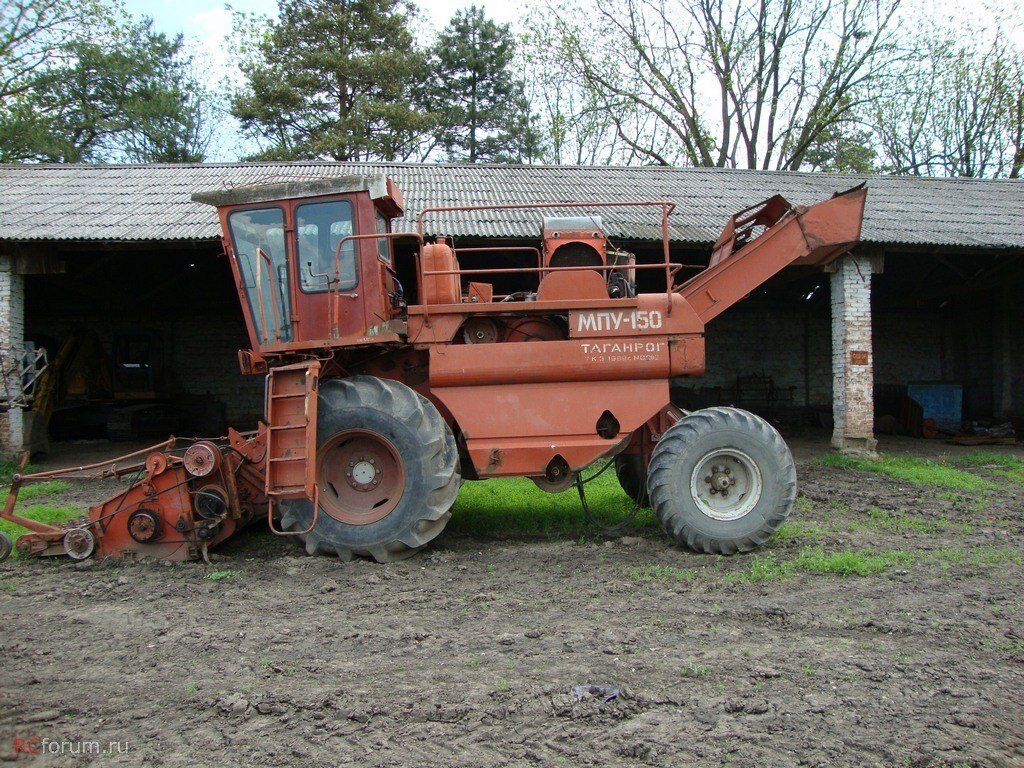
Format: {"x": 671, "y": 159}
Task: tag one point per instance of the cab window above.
{"x": 319, "y": 227}
{"x": 258, "y": 237}
{"x": 383, "y": 243}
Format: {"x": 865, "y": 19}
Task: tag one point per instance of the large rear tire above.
{"x": 721, "y": 480}
{"x": 387, "y": 472}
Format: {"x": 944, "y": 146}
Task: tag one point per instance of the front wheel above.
{"x": 721, "y": 480}
{"x": 387, "y": 472}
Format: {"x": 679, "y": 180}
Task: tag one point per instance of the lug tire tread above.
{"x": 664, "y": 465}
{"x": 438, "y": 453}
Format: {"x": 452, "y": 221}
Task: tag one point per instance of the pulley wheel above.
{"x": 480, "y": 330}
{"x": 211, "y": 502}
{"x": 202, "y": 459}
{"x": 156, "y": 463}
{"x": 79, "y": 543}
{"x": 143, "y": 526}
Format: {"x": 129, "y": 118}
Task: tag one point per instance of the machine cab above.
{"x": 312, "y": 260}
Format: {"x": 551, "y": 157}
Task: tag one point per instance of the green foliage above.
{"x": 1004, "y": 464}
{"x": 995, "y": 556}
{"x": 332, "y": 79}
{"x": 8, "y": 469}
{"x": 847, "y": 562}
{"x": 1009, "y": 646}
{"x": 227, "y": 573}
{"x": 867, "y": 562}
{"x": 911, "y": 469}
{"x": 842, "y": 147}
{"x": 124, "y": 93}
{"x": 693, "y": 669}
{"x": 49, "y": 488}
{"x": 516, "y": 505}
{"x": 958, "y": 105}
{"x": 44, "y": 513}
{"x": 799, "y": 530}
{"x": 481, "y": 105}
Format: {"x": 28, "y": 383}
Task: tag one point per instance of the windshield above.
{"x": 258, "y": 237}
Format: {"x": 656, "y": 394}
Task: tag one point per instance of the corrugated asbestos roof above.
{"x": 152, "y": 202}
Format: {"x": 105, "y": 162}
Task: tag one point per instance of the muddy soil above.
{"x": 468, "y": 653}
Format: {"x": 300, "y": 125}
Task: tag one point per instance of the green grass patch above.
{"x": 911, "y": 469}
{"x": 44, "y": 513}
{"x": 1009, "y": 646}
{"x": 49, "y": 488}
{"x": 227, "y": 573}
{"x": 848, "y": 562}
{"x": 995, "y": 556}
{"x": 901, "y": 522}
{"x": 665, "y": 574}
{"x": 1005, "y": 465}
{"x": 693, "y": 669}
{"x": 800, "y": 530}
{"x": 516, "y": 505}
{"x": 867, "y": 562}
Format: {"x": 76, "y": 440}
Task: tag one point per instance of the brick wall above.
{"x": 12, "y": 330}
{"x": 852, "y": 355}
{"x": 199, "y": 355}
{"x": 771, "y": 341}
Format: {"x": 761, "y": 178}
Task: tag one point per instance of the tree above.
{"x": 482, "y": 108}
{"x": 36, "y": 33}
{"x": 847, "y": 146}
{"x": 121, "y": 93}
{"x": 744, "y": 83}
{"x": 960, "y": 111}
{"x": 332, "y": 79}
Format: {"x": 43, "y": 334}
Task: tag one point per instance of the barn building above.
{"x": 120, "y": 276}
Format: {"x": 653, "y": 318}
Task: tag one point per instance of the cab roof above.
{"x": 377, "y": 185}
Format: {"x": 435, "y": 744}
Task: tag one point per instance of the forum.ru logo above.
{"x": 41, "y": 745}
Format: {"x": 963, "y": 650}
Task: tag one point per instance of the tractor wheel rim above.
{"x": 361, "y": 477}
{"x": 726, "y": 484}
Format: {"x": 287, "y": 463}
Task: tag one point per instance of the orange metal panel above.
{"x": 573, "y": 360}
{"x": 518, "y": 429}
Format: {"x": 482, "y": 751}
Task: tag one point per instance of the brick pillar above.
{"x": 852, "y": 358}
{"x": 12, "y": 335}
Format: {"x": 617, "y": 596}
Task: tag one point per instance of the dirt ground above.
{"x": 468, "y": 653}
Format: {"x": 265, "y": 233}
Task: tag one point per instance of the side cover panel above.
{"x": 521, "y": 405}
{"x": 518, "y": 429}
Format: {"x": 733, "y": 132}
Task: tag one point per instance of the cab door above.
{"x": 330, "y": 289}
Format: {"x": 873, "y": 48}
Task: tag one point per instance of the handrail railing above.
{"x": 501, "y": 249}
{"x": 261, "y": 256}
{"x": 667, "y": 206}
{"x": 333, "y": 287}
